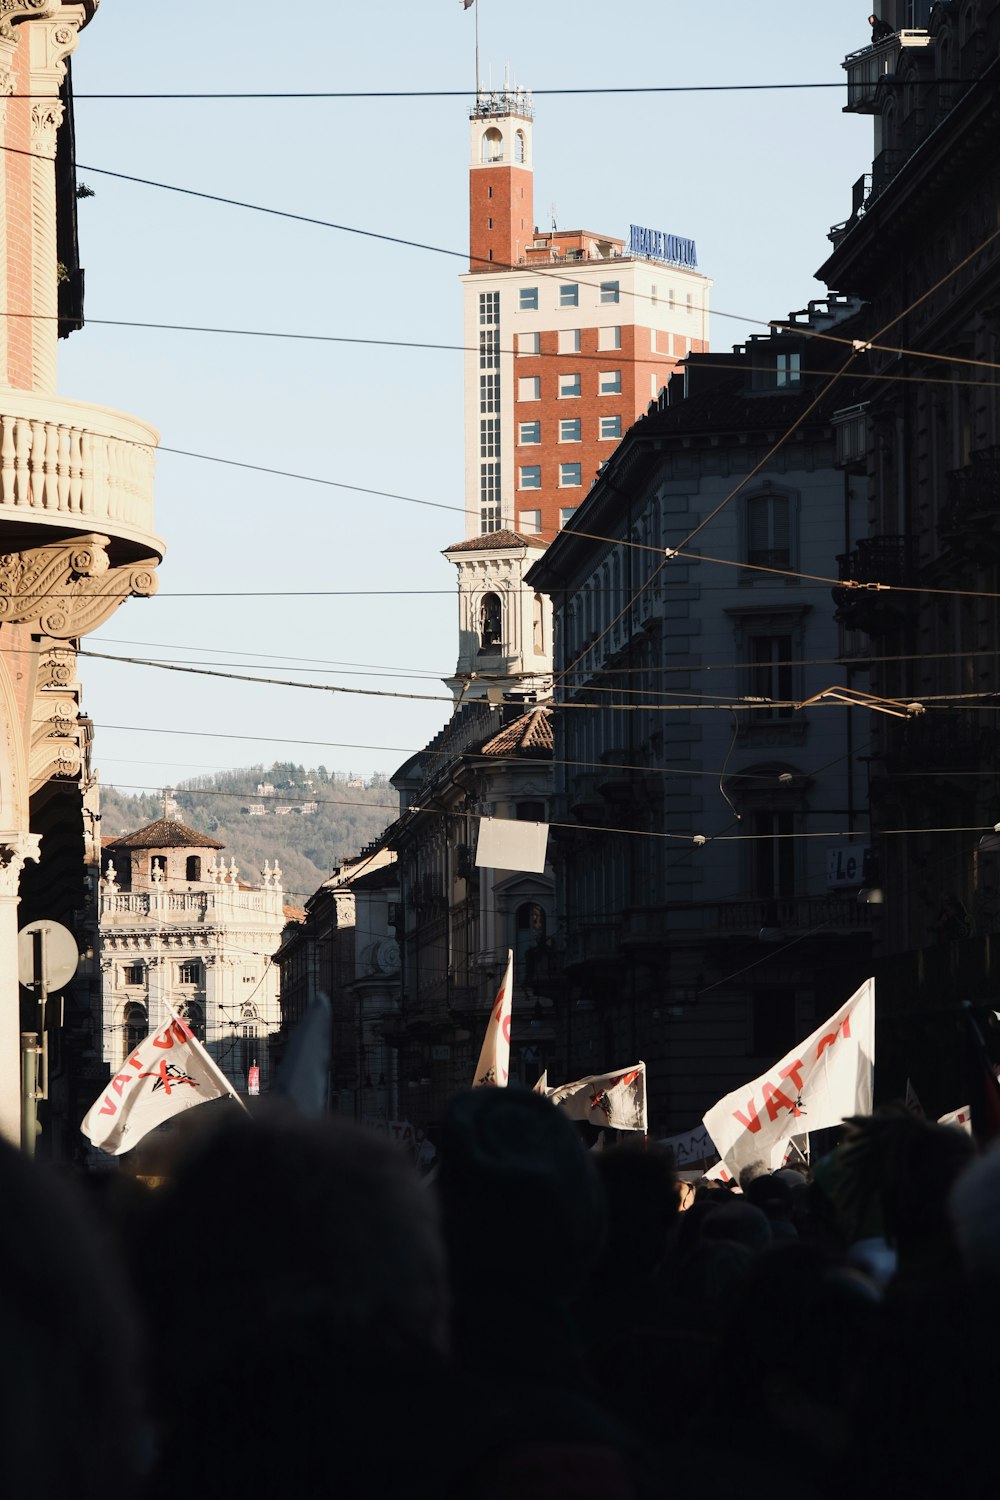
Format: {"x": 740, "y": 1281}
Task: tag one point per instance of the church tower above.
{"x": 504, "y": 628}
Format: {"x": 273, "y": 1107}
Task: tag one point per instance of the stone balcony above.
{"x": 869, "y": 65}
{"x": 69, "y": 468}
{"x": 170, "y": 909}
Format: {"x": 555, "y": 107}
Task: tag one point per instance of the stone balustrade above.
{"x": 69, "y": 465}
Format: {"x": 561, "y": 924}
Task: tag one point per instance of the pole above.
{"x": 475, "y": 6}
{"x": 29, "y": 1091}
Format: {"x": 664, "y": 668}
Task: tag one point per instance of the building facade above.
{"x": 568, "y": 333}
{"x": 76, "y": 531}
{"x": 713, "y": 831}
{"x": 180, "y": 932}
{"x": 921, "y": 247}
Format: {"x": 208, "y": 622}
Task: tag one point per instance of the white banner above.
{"x": 494, "y": 1059}
{"x": 509, "y": 844}
{"x": 826, "y": 1078}
{"x": 693, "y": 1146}
{"x": 167, "y": 1073}
{"x": 614, "y": 1101}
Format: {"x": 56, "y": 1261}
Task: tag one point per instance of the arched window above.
{"x": 250, "y": 1028}
{"x": 194, "y": 1015}
{"x": 538, "y": 626}
{"x": 529, "y": 935}
{"x": 157, "y": 866}
{"x": 192, "y": 869}
{"x": 490, "y": 622}
{"x": 492, "y": 145}
{"x": 135, "y": 1025}
{"x": 520, "y": 147}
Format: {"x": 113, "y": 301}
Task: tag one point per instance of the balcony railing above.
{"x": 886, "y": 560}
{"x": 869, "y": 65}
{"x": 70, "y": 466}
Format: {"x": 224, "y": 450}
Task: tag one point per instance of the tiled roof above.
{"x": 164, "y": 834}
{"x": 528, "y": 735}
{"x": 491, "y": 540}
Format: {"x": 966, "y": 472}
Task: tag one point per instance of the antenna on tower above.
{"x": 552, "y": 215}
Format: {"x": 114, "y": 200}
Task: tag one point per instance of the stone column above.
{"x": 15, "y": 848}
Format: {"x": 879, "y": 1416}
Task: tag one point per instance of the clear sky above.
{"x": 756, "y": 178}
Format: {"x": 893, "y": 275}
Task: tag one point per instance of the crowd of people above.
{"x": 294, "y": 1311}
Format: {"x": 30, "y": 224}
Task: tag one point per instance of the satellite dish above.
{"x": 56, "y": 950}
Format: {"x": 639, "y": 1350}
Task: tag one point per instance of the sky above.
{"x": 280, "y": 577}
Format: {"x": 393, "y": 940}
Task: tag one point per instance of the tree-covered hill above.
{"x": 350, "y": 810}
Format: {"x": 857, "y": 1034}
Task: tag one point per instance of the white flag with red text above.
{"x": 494, "y": 1060}
{"x": 614, "y": 1101}
{"x": 826, "y": 1078}
{"x": 168, "y": 1072}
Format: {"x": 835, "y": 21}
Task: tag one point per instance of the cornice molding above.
{"x": 68, "y": 588}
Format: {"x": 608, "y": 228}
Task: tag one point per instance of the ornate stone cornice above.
{"x": 66, "y": 589}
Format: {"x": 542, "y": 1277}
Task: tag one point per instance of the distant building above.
{"x": 179, "y": 931}
{"x": 568, "y": 333}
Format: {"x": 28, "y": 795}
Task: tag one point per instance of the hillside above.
{"x": 307, "y": 820}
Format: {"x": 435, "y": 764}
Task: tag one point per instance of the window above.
{"x": 569, "y": 385}
{"x": 609, "y": 291}
{"x": 192, "y": 867}
{"x": 134, "y": 974}
{"x": 529, "y": 522}
{"x": 529, "y": 925}
{"x": 529, "y": 388}
{"x": 189, "y": 972}
{"x": 135, "y": 1026}
{"x": 610, "y": 338}
{"x": 489, "y": 306}
{"x": 569, "y": 430}
{"x": 652, "y": 294}
{"x": 566, "y": 515}
{"x": 569, "y": 341}
{"x": 609, "y": 382}
{"x": 489, "y": 484}
{"x": 489, "y": 392}
{"x": 527, "y": 299}
{"x": 528, "y": 343}
{"x": 687, "y": 301}
{"x": 529, "y": 477}
{"x": 530, "y": 812}
{"x": 489, "y": 519}
{"x": 489, "y": 437}
{"x": 529, "y": 433}
{"x": 611, "y": 427}
{"x": 771, "y": 675}
{"x": 569, "y": 296}
{"x": 569, "y": 476}
{"x": 492, "y": 145}
{"x": 520, "y": 148}
{"x": 768, "y": 531}
{"x": 773, "y": 853}
{"x": 787, "y": 369}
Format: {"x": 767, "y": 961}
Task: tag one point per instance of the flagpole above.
{"x": 475, "y": 6}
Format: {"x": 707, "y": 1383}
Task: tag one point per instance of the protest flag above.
{"x": 168, "y": 1072}
{"x": 493, "y": 1068}
{"x": 542, "y": 1086}
{"x": 825, "y": 1079}
{"x": 304, "y": 1073}
{"x": 612, "y": 1101}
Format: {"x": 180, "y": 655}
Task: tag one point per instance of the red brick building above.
{"x": 569, "y": 334}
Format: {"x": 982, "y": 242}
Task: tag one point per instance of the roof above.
{"x": 490, "y": 541}
{"x": 528, "y": 735}
{"x": 164, "y": 834}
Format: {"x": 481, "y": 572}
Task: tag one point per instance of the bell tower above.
{"x": 501, "y": 195}
{"x": 504, "y": 628}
